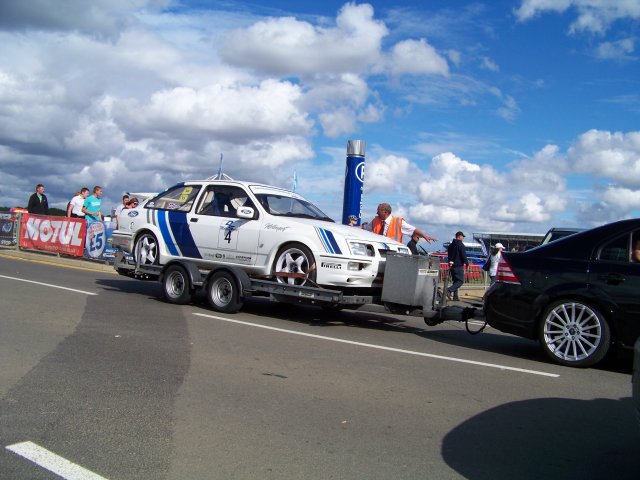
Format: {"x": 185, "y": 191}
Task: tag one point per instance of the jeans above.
{"x": 457, "y": 278}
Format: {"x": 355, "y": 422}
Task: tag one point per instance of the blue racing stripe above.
{"x": 332, "y": 241}
{"x": 164, "y": 229}
{"x": 325, "y": 240}
{"x": 181, "y": 232}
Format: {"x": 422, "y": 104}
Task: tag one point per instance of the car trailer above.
{"x": 410, "y": 287}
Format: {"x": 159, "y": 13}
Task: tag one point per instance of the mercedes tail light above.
{"x": 505, "y": 273}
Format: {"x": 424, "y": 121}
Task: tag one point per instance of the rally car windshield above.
{"x": 284, "y": 206}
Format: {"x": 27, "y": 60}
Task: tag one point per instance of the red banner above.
{"x": 53, "y": 234}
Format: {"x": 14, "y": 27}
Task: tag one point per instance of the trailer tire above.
{"x": 176, "y": 285}
{"x": 223, "y": 292}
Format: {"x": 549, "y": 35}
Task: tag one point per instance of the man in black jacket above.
{"x": 38, "y": 203}
{"x": 457, "y": 254}
{"x": 413, "y": 244}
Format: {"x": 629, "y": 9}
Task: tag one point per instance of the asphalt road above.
{"x": 115, "y": 383}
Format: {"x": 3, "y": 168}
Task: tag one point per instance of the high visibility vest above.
{"x": 394, "y": 231}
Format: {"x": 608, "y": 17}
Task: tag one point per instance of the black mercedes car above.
{"x": 578, "y": 295}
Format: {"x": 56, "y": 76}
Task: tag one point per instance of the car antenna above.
{"x": 220, "y": 175}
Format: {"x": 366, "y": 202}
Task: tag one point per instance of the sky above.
{"x": 494, "y": 116}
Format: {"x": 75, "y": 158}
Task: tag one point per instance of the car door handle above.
{"x": 194, "y": 220}
{"x": 612, "y": 278}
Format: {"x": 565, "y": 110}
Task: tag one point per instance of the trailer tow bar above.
{"x": 459, "y": 313}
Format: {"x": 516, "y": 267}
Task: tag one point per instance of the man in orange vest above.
{"x": 394, "y": 227}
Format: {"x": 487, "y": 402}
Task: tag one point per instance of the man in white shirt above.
{"x": 74, "y": 210}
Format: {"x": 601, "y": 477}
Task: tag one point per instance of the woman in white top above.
{"x": 496, "y": 256}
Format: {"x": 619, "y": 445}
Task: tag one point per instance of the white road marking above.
{"x": 49, "y": 285}
{"x": 52, "y": 462}
{"x": 381, "y": 347}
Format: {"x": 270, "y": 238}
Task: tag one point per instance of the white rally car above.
{"x": 267, "y": 231}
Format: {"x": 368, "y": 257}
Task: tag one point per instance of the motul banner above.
{"x": 53, "y": 234}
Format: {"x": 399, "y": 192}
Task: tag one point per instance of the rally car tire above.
{"x": 147, "y": 250}
{"x": 297, "y": 259}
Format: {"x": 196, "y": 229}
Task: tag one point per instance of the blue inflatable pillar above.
{"x": 353, "y": 181}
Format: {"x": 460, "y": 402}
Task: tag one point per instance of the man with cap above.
{"x": 457, "y": 254}
{"x": 494, "y": 260}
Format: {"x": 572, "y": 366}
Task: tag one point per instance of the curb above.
{"x": 55, "y": 259}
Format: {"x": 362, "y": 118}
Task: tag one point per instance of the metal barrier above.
{"x": 57, "y": 235}
{"x": 473, "y": 275}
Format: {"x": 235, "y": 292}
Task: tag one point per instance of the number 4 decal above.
{"x": 229, "y": 228}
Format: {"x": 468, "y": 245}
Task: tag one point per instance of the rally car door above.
{"x": 220, "y": 234}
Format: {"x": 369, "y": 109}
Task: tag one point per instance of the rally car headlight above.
{"x": 363, "y": 249}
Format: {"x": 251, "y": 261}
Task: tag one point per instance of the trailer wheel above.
{"x": 223, "y": 292}
{"x": 294, "y": 265}
{"x": 147, "y": 251}
{"x": 175, "y": 285}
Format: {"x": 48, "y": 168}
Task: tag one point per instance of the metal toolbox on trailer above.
{"x": 408, "y": 280}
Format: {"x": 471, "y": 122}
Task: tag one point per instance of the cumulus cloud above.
{"x": 388, "y": 173}
{"x": 415, "y": 57}
{"x": 595, "y": 16}
{"x": 544, "y": 172}
{"x": 614, "y": 155}
{"x": 229, "y": 113}
{"x": 288, "y": 46}
{"x": 527, "y": 208}
{"x": 454, "y": 191}
{"x": 338, "y": 121}
{"x": 618, "y": 50}
{"x": 102, "y": 18}
{"x": 621, "y": 199}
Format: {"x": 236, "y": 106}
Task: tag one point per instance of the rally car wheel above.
{"x": 175, "y": 285}
{"x": 223, "y": 292}
{"x": 295, "y": 265}
{"x": 147, "y": 251}
{"x": 574, "y": 334}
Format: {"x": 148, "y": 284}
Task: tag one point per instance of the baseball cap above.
{"x": 498, "y": 245}
{"x": 458, "y": 233}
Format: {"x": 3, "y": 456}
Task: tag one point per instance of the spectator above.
{"x": 74, "y": 209}
{"x": 119, "y": 208}
{"x": 494, "y": 259}
{"x": 635, "y": 252}
{"x": 394, "y": 227}
{"x": 457, "y": 254}
{"x": 91, "y": 206}
{"x": 413, "y": 244}
{"x": 38, "y": 203}
{"x": 123, "y": 205}
{"x": 353, "y": 220}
